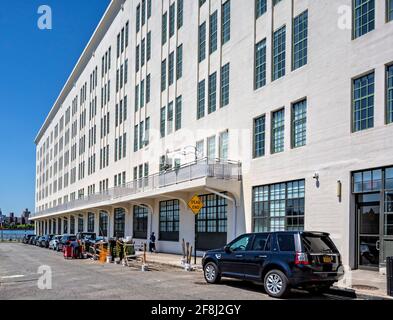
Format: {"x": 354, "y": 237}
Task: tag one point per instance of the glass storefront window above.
{"x": 279, "y": 207}
{"x": 367, "y": 181}
{"x": 389, "y": 179}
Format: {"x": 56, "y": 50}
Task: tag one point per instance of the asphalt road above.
{"x": 87, "y": 279}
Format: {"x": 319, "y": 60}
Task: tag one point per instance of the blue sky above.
{"x": 34, "y": 67}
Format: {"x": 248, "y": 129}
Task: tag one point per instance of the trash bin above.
{"x": 389, "y": 275}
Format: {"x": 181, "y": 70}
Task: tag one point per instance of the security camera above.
{"x": 316, "y": 176}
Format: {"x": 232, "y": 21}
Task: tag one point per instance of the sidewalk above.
{"x": 364, "y": 283}
{"x": 172, "y": 260}
{"x": 360, "y": 283}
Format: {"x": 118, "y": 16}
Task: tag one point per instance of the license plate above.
{"x": 327, "y": 259}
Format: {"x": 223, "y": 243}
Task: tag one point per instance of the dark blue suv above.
{"x": 280, "y": 260}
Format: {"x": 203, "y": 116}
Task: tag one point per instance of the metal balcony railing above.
{"x": 203, "y": 168}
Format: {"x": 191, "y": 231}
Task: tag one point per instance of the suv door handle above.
{"x": 239, "y": 256}
{"x": 262, "y": 256}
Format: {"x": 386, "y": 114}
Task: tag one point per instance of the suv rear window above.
{"x": 317, "y": 244}
{"x": 286, "y": 242}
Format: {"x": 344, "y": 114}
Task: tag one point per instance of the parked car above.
{"x": 54, "y": 243}
{"x": 66, "y": 239}
{"x": 39, "y": 240}
{"x": 32, "y": 240}
{"x": 279, "y": 260}
{"x": 45, "y": 240}
{"x": 90, "y": 236}
{"x": 27, "y": 238}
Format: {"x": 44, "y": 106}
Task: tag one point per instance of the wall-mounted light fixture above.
{"x": 339, "y": 190}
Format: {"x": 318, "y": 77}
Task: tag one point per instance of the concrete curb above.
{"x": 362, "y": 294}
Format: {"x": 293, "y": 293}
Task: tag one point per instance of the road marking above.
{"x": 13, "y": 277}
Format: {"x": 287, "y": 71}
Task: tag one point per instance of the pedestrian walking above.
{"x": 152, "y": 243}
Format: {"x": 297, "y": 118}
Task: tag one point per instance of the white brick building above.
{"x": 279, "y": 113}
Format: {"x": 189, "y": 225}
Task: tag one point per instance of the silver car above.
{"x": 54, "y": 243}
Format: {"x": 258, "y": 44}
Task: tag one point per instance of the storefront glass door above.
{"x": 368, "y": 210}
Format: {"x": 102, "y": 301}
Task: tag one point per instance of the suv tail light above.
{"x": 301, "y": 258}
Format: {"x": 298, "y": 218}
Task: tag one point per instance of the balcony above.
{"x": 157, "y": 183}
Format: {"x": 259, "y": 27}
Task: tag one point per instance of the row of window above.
{"x": 299, "y": 48}
{"x": 213, "y": 29}
{"x": 298, "y": 129}
{"x": 174, "y": 13}
{"x": 171, "y": 117}
{"x": 212, "y": 92}
{"x": 169, "y": 68}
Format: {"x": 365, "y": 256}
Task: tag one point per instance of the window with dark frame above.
{"x": 169, "y": 220}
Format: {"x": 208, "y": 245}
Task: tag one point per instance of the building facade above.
{"x": 277, "y": 113}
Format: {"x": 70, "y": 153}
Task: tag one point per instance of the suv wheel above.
{"x": 276, "y": 284}
{"x": 211, "y": 273}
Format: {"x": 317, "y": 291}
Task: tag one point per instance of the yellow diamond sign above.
{"x": 195, "y": 204}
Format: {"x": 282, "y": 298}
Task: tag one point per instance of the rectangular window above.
{"x": 201, "y": 100}
{"x": 226, "y": 22}
{"x": 389, "y": 10}
{"x": 225, "y": 85}
{"x": 180, "y": 8}
{"x": 142, "y": 94}
{"x": 143, "y": 12}
{"x": 171, "y": 69}
{"x": 138, "y": 18}
{"x": 260, "y": 64}
{"x": 279, "y": 207}
{"x": 178, "y": 113}
{"x": 202, "y": 42}
{"x": 211, "y": 148}
{"x": 223, "y": 146}
{"x": 172, "y": 20}
{"x": 163, "y": 75}
{"x": 259, "y": 136}
{"x": 213, "y": 216}
{"x": 147, "y": 131}
{"x": 278, "y": 128}
{"x": 299, "y": 124}
{"x": 213, "y": 33}
{"x": 148, "y": 88}
{"x": 279, "y": 53}
{"x": 137, "y": 58}
{"x": 162, "y": 121}
{"x": 260, "y": 7}
{"x": 170, "y": 118}
{"x": 364, "y": 17}
{"x": 140, "y": 222}
{"x": 148, "y": 9}
{"x": 164, "y": 31}
{"x": 300, "y": 40}
{"x": 124, "y": 145}
{"x": 169, "y": 220}
{"x": 143, "y": 52}
{"x": 136, "y": 131}
{"x": 212, "y": 93}
{"x": 90, "y": 222}
{"x": 363, "y": 102}
{"x": 148, "y": 46}
{"x": 389, "y": 94}
{"x": 141, "y": 133}
{"x": 179, "y": 62}
{"x": 137, "y": 98}
{"x": 119, "y": 223}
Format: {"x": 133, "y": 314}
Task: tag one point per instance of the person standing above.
{"x": 152, "y": 243}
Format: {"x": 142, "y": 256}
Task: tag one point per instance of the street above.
{"x": 88, "y": 279}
